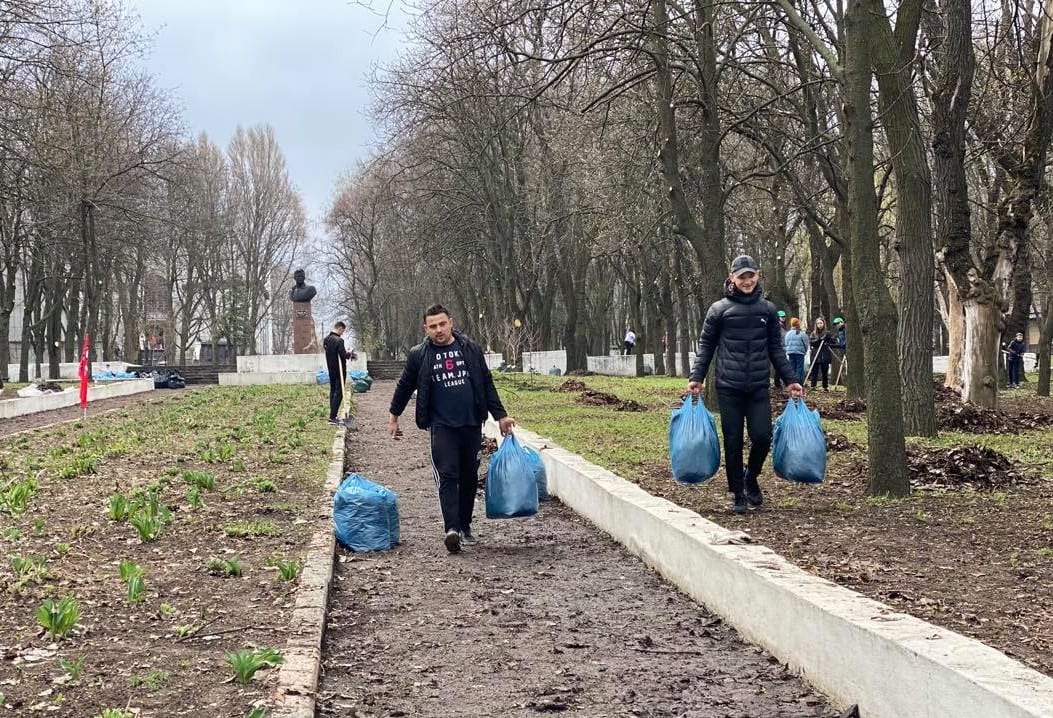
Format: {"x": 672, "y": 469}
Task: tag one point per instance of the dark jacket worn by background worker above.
{"x": 417, "y": 375}
{"x": 746, "y": 329}
{"x": 336, "y": 355}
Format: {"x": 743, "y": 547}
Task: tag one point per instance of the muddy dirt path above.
{"x": 543, "y": 615}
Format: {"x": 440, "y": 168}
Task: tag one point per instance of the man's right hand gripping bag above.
{"x": 694, "y": 447}
{"x": 511, "y": 486}
{"x": 798, "y": 444}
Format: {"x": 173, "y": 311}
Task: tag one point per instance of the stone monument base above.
{"x": 304, "y": 339}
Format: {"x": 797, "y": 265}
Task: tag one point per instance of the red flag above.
{"x": 83, "y": 372}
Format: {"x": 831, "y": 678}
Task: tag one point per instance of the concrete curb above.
{"x": 853, "y": 649}
{"x": 266, "y": 378}
{"x": 296, "y": 692}
{"x": 11, "y": 408}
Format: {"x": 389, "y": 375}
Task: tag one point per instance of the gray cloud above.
{"x": 300, "y": 66}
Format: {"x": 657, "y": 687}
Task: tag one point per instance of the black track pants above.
{"x": 455, "y": 462}
{"x": 753, "y": 408}
{"x": 336, "y": 396}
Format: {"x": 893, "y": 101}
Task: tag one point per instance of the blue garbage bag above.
{"x": 511, "y": 487}
{"x": 798, "y": 444}
{"x": 537, "y": 464}
{"x": 694, "y": 447}
{"x": 322, "y": 376}
{"x": 365, "y": 515}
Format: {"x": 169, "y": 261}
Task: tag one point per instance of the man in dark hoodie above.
{"x": 455, "y": 392}
{"x": 745, "y": 327}
{"x": 336, "y": 356}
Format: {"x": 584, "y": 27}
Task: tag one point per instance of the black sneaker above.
{"x": 466, "y": 537}
{"x": 739, "y": 507}
{"x": 753, "y": 493}
{"x": 453, "y": 541}
{"x": 335, "y": 422}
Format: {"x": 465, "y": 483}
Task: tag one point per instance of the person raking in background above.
{"x": 1014, "y": 361}
{"x": 336, "y": 356}
{"x": 744, "y": 326}
{"x": 455, "y": 392}
{"x": 821, "y": 341}
{"x": 796, "y": 344}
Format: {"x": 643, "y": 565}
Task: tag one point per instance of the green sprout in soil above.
{"x": 224, "y": 566}
{"x": 29, "y": 569}
{"x": 244, "y": 529}
{"x": 288, "y": 570}
{"x": 257, "y": 712}
{"x": 115, "y": 713}
{"x": 193, "y": 497}
{"x": 58, "y": 617}
{"x": 62, "y": 548}
{"x": 80, "y": 466}
{"x": 167, "y": 609}
{"x": 264, "y": 486}
{"x": 246, "y": 662}
{"x": 15, "y": 496}
{"x": 119, "y": 507}
{"x": 73, "y": 669}
{"x": 200, "y": 479}
{"x": 151, "y": 681}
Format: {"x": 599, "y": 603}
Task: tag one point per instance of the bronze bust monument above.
{"x": 301, "y": 291}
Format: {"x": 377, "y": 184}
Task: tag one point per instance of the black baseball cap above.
{"x": 742, "y": 264}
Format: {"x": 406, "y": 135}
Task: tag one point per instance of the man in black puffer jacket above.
{"x": 455, "y": 392}
{"x": 744, "y": 326}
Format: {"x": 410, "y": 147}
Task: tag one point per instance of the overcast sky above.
{"x": 301, "y": 66}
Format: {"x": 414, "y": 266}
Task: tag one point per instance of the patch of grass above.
{"x": 154, "y": 680}
{"x": 245, "y": 529}
{"x": 788, "y": 502}
{"x": 264, "y": 486}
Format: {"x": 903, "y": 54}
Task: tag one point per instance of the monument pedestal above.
{"x": 304, "y": 340}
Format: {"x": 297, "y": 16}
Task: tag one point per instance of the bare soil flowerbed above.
{"x": 170, "y": 526}
{"x": 971, "y": 549}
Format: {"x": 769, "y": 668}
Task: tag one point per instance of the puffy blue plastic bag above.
{"x": 365, "y": 515}
{"x": 511, "y": 486}
{"x": 537, "y": 464}
{"x": 798, "y": 444}
{"x": 694, "y": 447}
{"x": 322, "y": 376}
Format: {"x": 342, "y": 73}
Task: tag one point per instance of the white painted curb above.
{"x": 853, "y": 649}
{"x": 267, "y": 377}
{"x": 10, "y": 408}
{"x": 296, "y": 692}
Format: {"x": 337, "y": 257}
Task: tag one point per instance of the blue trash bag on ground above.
{"x": 322, "y": 376}
{"x": 511, "y": 487}
{"x": 365, "y": 515}
{"x": 694, "y": 447}
{"x": 798, "y": 444}
{"x": 537, "y": 464}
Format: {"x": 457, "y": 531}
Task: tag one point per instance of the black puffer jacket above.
{"x": 745, "y": 328}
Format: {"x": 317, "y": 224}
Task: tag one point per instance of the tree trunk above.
{"x": 1043, "y": 349}
{"x": 886, "y": 448}
{"x": 891, "y": 54}
{"x": 980, "y": 359}
{"x": 955, "y": 336}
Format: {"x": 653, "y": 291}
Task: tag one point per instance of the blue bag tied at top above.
{"x": 798, "y": 444}
{"x": 538, "y": 466}
{"x": 511, "y": 486}
{"x": 365, "y": 515}
{"x": 694, "y": 447}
